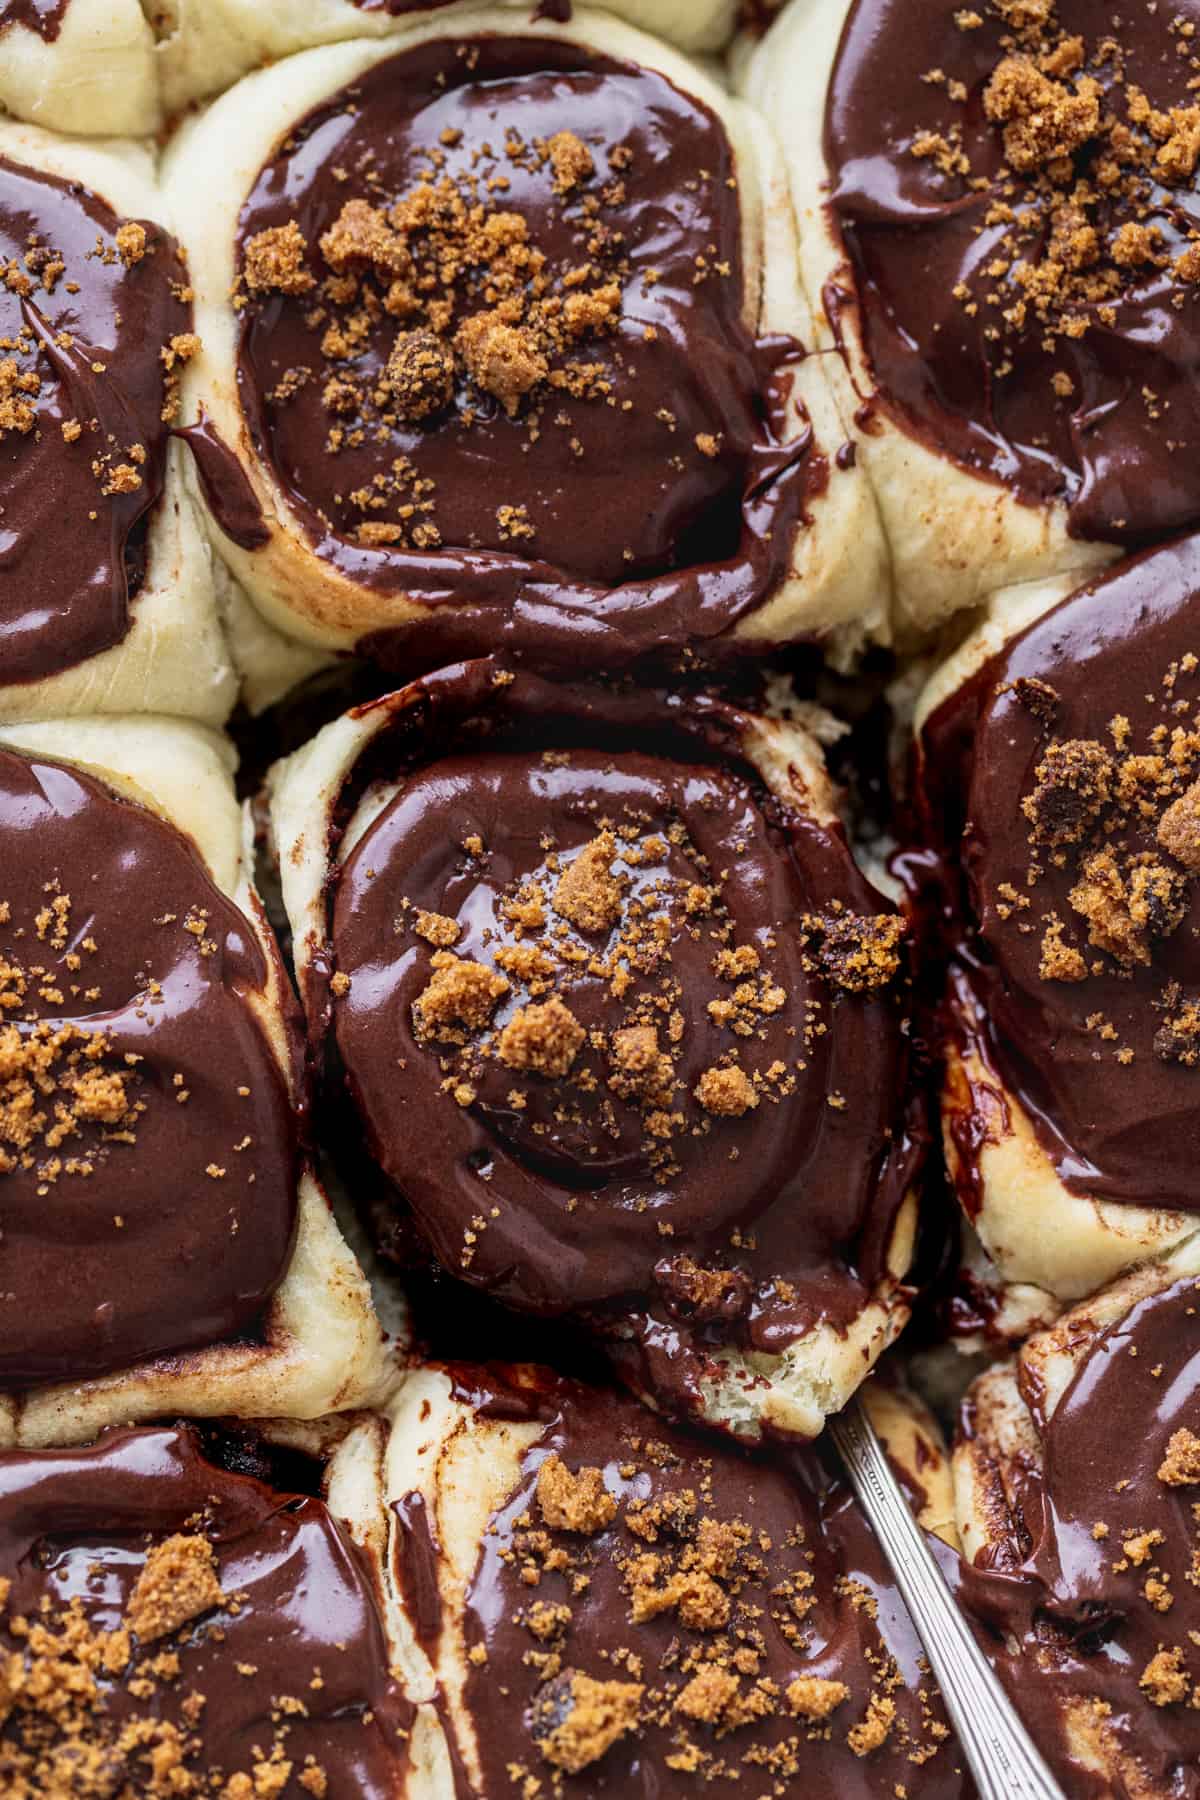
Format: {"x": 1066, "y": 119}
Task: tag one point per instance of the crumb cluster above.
{"x": 1084, "y": 207}
{"x": 481, "y": 317}
{"x": 1123, "y": 820}
{"x": 65, "y": 1739}
{"x": 704, "y": 1658}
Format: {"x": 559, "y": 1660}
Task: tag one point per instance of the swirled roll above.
{"x": 1076, "y": 1475}
{"x": 502, "y": 344}
{"x": 196, "y": 1613}
{"x": 82, "y": 66}
{"x": 999, "y": 220}
{"x": 106, "y": 590}
{"x": 166, "y": 1247}
{"x": 620, "y": 1022}
{"x": 598, "y": 1602}
{"x": 1068, "y": 756}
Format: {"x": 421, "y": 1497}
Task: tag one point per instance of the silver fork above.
{"x": 1003, "y": 1758}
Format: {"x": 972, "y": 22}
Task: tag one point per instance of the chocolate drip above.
{"x": 300, "y": 1622}
{"x": 161, "y": 1218}
{"x": 1108, "y": 420}
{"x": 1096, "y": 1574}
{"x": 226, "y": 485}
{"x": 1117, "y": 1126}
{"x": 791, "y": 1203}
{"x": 88, "y": 331}
{"x": 818, "y": 1603}
{"x": 657, "y": 511}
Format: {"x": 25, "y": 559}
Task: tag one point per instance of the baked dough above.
{"x": 89, "y": 69}
{"x": 171, "y": 657}
{"x": 463, "y": 1477}
{"x": 322, "y": 816}
{"x": 319, "y": 1348}
{"x": 434, "y": 605}
{"x": 207, "y": 45}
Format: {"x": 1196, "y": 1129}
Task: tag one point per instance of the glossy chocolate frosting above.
{"x": 611, "y": 1185}
{"x": 147, "y": 1148}
{"x": 82, "y": 445}
{"x": 653, "y": 506}
{"x": 287, "y": 1664}
{"x": 784, "y": 1581}
{"x": 1094, "y": 1574}
{"x": 919, "y": 187}
{"x": 1099, "y": 1059}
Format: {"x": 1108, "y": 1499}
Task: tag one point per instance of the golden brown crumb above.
{"x": 810, "y": 1697}
{"x": 641, "y": 1070}
{"x": 578, "y": 1719}
{"x": 856, "y": 951}
{"x": 1074, "y": 784}
{"x": 1179, "y": 829}
{"x": 459, "y": 993}
{"x": 17, "y": 386}
{"x": 544, "y": 1039}
{"x": 178, "y": 1582}
{"x": 571, "y": 161}
{"x": 274, "y": 261}
{"x": 1043, "y": 119}
{"x": 130, "y": 241}
{"x": 502, "y": 359}
{"x": 587, "y": 894}
{"x": 873, "y": 1732}
{"x": 573, "y": 1502}
{"x": 420, "y": 375}
{"x": 1060, "y": 961}
{"x": 437, "y": 929}
{"x": 1181, "y": 1465}
{"x": 1163, "y": 1680}
{"x": 726, "y": 1092}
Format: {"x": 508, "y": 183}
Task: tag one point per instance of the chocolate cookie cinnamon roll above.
{"x": 82, "y": 66}
{"x": 502, "y": 344}
{"x": 184, "y": 1613}
{"x": 1076, "y": 1475}
{"x": 1060, "y": 773}
{"x": 1000, "y": 212}
{"x": 601, "y": 1603}
{"x": 205, "y": 46}
{"x": 165, "y": 1243}
{"x": 106, "y": 591}
{"x": 620, "y": 1022}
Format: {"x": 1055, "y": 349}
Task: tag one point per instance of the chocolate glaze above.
{"x": 576, "y": 1211}
{"x": 226, "y": 485}
{"x": 77, "y": 1525}
{"x": 1120, "y": 1131}
{"x": 632, "y": 552}
{"x": 812, "y": 1524}
{"x": 43, "y": 16}
{"x": 148, "y": 1253}
{"x": 1061, "y": 1622}
{"x": 71, "y": 556}
{"x": 913, "y": 234}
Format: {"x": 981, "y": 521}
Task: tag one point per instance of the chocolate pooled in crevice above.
{"x": 173, "y": 1629}
{"x": 1015, "y": 188}
{"x": 45, "y": 17}
{"x": 1088, "y": 1595}
{"x": 1078, "y": 751}
{"x": 652, "y": 1613}
{"x": 624, "y": 1029}
{"x": 148, "y": 1151}
{"x": 493, "y": 349}
{"x": 95, "y": 323}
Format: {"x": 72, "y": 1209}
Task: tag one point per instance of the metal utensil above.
{"x": 1003, "y": 1758}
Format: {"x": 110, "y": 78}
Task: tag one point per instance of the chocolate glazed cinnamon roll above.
{"x": 502, "y": 345}
{"x": 1005, "y": 244}
{"x": 106, "y": 594}
{"x": 1077, "y": 1472}
{"x": 203, "y": 47}
{"x": 1061, "y": 772}
{"x": 164, "y": 1243}
{"x": 182, "y": 1613}
{"x": 622, "y": 1023}
{"x": 600, "y": 1603}
{"x": 80, "y": 66}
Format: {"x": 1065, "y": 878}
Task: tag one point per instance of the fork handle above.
{"x": 1003, "y": 1758}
